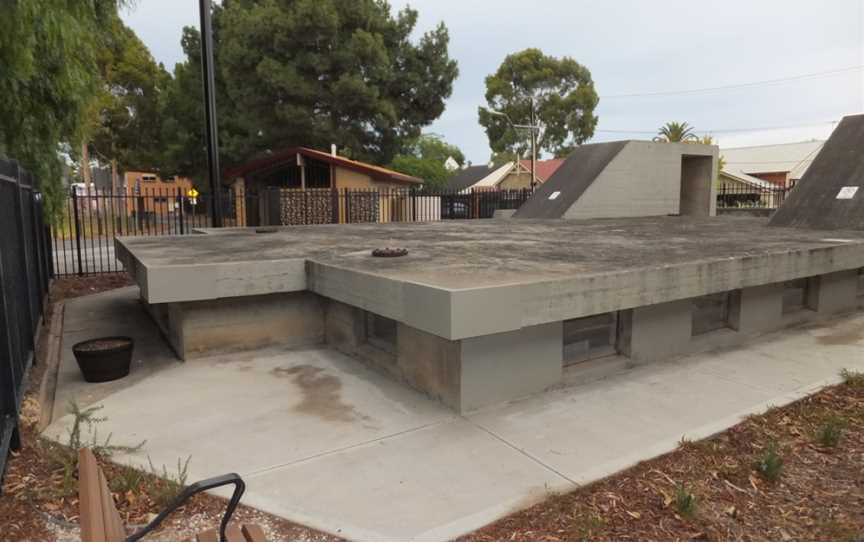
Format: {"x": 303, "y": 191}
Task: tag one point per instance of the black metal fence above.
{"x": 743, "y": 196}
{"x": 83, "y": 236}
{"x": 25, "y": 269}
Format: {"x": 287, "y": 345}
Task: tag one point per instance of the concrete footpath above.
{"x": 324, "y": 441}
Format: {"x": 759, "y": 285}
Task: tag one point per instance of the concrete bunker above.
{"x": 629, "y": 179}
{"x": 447, "y": 323}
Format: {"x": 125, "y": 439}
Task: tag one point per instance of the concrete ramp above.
{"x": 571, "y": 180}
{"x": 831, "y": 194}
{"x": 628, "y": 179}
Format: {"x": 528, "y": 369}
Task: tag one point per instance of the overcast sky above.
{"x": 636, "y": 47}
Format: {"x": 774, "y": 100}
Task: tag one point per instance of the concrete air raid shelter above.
{"x": 629, "y": 179}
{"x": 831, "y": 194}
{"x": 484, "y": 311}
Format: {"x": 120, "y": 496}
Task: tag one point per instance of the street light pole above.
{"x": 533, "y": 128}
{"x": 210, "y": 111}
{"x": 533, "y": 148}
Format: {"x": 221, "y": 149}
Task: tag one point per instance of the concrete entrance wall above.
{"x": 657, "y": 332}
{"x": 198, "y": 328}
{"x": 463, "y": 374}
{"x": 471, "y": 373}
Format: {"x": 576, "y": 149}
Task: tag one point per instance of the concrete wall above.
{"x": 464, "y": 375}
{"x": 505, "y": 366}
{"x": 645, "y": 179}
{"x": 698, "y": 191}
{"x": 759, "y": 212}
{"x": 662, "y": 331}
{"x": 199, "y": 328}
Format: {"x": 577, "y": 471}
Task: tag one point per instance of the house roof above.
{"x": 284, "y": 156}
{"x": 545, "y": 168}
{"x": 747, "y": 179}
{"x": 477, "y": 175}
{"x": 792, "y": 158}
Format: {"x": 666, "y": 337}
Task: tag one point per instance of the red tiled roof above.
{"x": 286, "y": 155}
{"x": 545, "y": 168}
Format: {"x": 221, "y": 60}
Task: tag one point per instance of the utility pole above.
{"x": 533, "y": 147}
{"x": 210, "y": 112}
{"x": 533, "y": 129}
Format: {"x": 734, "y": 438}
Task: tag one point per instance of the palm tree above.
{"x": 676, "y": 132}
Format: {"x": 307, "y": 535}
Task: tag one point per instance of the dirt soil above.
{"x": 721, "y": 488}
{"x": 36, "y": 504}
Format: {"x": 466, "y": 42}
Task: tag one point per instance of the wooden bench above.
{"x": 100, "y": 521}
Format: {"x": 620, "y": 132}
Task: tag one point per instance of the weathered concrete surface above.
{"x": 628, "y": 179}
{"x": 118, "y": 312}
{"x": 324, "y": 441}
{"x": 198, "y": 328}
{"x": 816, "y": 200}
{"x": 470, "y": 278}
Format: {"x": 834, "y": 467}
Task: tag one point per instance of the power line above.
{"x": 801, "y": 77}
{"x": 724, "y": 130}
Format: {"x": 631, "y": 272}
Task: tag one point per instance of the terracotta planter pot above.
{"x": 105, "y": 358}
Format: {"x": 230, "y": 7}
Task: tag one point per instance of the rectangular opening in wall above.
{"x": 711, "y": 312}
{"x": 796, "y": 295}
{"x": 590, "y": 337}
{"x": 381, "y": 332}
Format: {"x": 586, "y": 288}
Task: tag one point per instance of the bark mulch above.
{"x": 39, "y": 500}
{"x": 794, "y": 473}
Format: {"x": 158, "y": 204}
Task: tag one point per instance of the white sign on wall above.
{"x": 847, "y": 192}
{"x": 555, "y": 194}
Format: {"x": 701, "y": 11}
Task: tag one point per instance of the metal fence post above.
{"x": 77, "y": 225}
{"x": 180, "y": 213}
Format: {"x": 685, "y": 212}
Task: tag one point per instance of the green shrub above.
{"x": 685, "y": 501}
{"x": 163, "y": 487}
{"x": 770, "y": 464}
{"x": 66, "y": 457}
{"x": 829, "y": 433}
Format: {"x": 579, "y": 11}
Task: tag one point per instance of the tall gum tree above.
{"x": 556, "y": 93}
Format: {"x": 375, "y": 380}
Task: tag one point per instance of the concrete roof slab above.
{"x": 539, "y": 270}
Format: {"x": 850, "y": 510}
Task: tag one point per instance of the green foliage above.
{"x": 126, "y": 479}
{"x": 48, "y": 53}
{"x": 563, "y": 97}
{"x": 65, "y": 457}
{"x": 433, "y": 173}
{"x": 676, "y": 132}
{"x": 829, "y": 433}
{"x": 163, "y": 487}
{"x": 125, "y": 114}
{"x": 770, "y": 464}
{"x": 853, "y": 379}
{"x": 685, "y": 501}
{"x": 425, "y": 158}
{"x": 313, "y": 73}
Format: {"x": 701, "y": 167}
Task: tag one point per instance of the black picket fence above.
{"x": 25, "y": 269}
{"x": 83, "y": 236}
{"x": 767, "y": 196}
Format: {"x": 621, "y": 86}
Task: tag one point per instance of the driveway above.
{"x": 325, "y": 441}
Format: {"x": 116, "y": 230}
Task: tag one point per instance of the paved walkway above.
{"x": 322, "y": 440}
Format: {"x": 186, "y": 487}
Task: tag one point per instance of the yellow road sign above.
{"x": 192, "y": 193}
